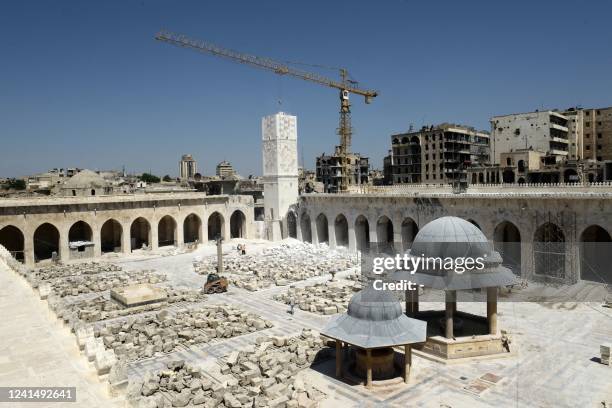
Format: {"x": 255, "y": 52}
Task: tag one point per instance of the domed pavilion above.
{"x": 366, "y": 334}
{"x": 451, "y": 333}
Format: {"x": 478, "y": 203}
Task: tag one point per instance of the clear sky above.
{"x": 84, "y": 83}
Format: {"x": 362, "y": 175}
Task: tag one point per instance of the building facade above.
{"x": 329, "y": 171}
{"x": 437, "y": 154}
{"x": 187, "y": 167}
{"x": 590, "y": 133}
{"x": 225, "y": 169}
{"x": 545, "y": 131}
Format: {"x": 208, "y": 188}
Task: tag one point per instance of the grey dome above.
{"x": 453, "y": 237}
{"x": 450, "y": 237}
{"x": 375, "y": 319}
{"x": 374, "y": 305}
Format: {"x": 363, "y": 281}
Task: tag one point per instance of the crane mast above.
{"x": 344, "y": 85}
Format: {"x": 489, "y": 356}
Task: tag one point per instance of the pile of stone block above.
{"x": 322, "y": 298}
{"x": 138, "y": 337}
{"x": 102, "y": 307}
{"x": 280, "y": 265}
{"x": 79, "y": 284}
{"x": 265, "y": 375}
{"x": 55, "y": 271}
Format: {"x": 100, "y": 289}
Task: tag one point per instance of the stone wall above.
{"x": 27, "y": 215}
{"x": 397, "y": 215}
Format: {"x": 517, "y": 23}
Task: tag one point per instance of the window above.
{"x": 598, "y": 123}
{"x": 588, "y": 147}
{"x": 599, "y": 112}
{"x": 598, "y": 147}
{"x": 434, "y": 176}
{"x": 508, "y": 161}
{"x": 426, "y": 157}
{"x": 588, "y": 124}
{"x": 599, "y": 135}
{"x": 587, "y": 135}
{"x": 599, "y": 158}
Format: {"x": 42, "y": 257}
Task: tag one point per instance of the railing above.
{"x": 599, "y": 187}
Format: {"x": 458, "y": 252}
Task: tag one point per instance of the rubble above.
{"x": 280, "y": 265}
{"x": 145, "y": 336}
{"x": 265, "y": 375}
{"x": 102, "y": 307}
{"x": 75, "y": 285}
{"x": 322, "y": 298}
{"x": 55, "y": 271}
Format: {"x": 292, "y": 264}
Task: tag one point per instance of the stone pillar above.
{"x": 225, "y": 229}
{"x": 407, "y": 362}
{"x": 97, "y": 240}
{"x": 154, "y": 235}
{"x": 373, "y": 237}
{"x": 527, "y": 264}
{"x": 331, "y": 234}
{"x": 204, "y": 237}
{"x": 64, "y": 250}
{"x": 298, "y": 229}
{"x": 369, "y": 368}
{"x": 339, "y": 351}
{"x": 313, "y": 232}
{"x": 397, "y": 235}
{"x": 179, "y": 241}
{"x": 451, "y": 299}
{"x": 126, "y": 243}
{"x": 352, "y": 238}
{"x": 28, "y": 247}
{"x": 492, "y": 310}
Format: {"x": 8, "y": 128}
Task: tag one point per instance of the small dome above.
{"x": 374, "y": 305}
{"x": 450, "y": 237}
{"x": 86, "y": 179}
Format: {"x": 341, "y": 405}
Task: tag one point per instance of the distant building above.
{"x": 590, "y": 133}
{"x": 545, "y": 131}
{"x": 225, "y": 169}
{"x": 328, "y": 171}
{"x": 188, "y": 167}
{"x": 436, "y": 154}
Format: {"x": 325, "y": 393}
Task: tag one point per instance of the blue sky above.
{"x": 84, "y": 84}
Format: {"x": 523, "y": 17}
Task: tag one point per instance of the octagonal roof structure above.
{"x": 374, "y": 319}
{"x": 455, "y": 238}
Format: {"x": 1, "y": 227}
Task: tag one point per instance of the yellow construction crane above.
{"x": 344, "y": 85}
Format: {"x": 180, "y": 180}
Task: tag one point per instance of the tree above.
{"x": 149, "y": 178}
{"x": 16, "y": 184}
{"x": 167, "y": 178}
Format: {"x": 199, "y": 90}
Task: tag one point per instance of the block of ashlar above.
{"x": 44, "y": 289}
{"x": 83, "y": 334}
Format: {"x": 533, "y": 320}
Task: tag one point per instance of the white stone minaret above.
{"x": 280, "y": 170}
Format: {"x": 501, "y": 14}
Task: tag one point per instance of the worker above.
{"x": 243, "y": 249}
{"x": 292, "y": 305}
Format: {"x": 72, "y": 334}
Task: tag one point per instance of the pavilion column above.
{"x": 492, "y": 310}
{"x": 451, "y": 300}
{"x": 407, "y": 362}
{"x": 339, "y": 352}
{"x": 412, "y": 302}
{"x": 369, "y": 368}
